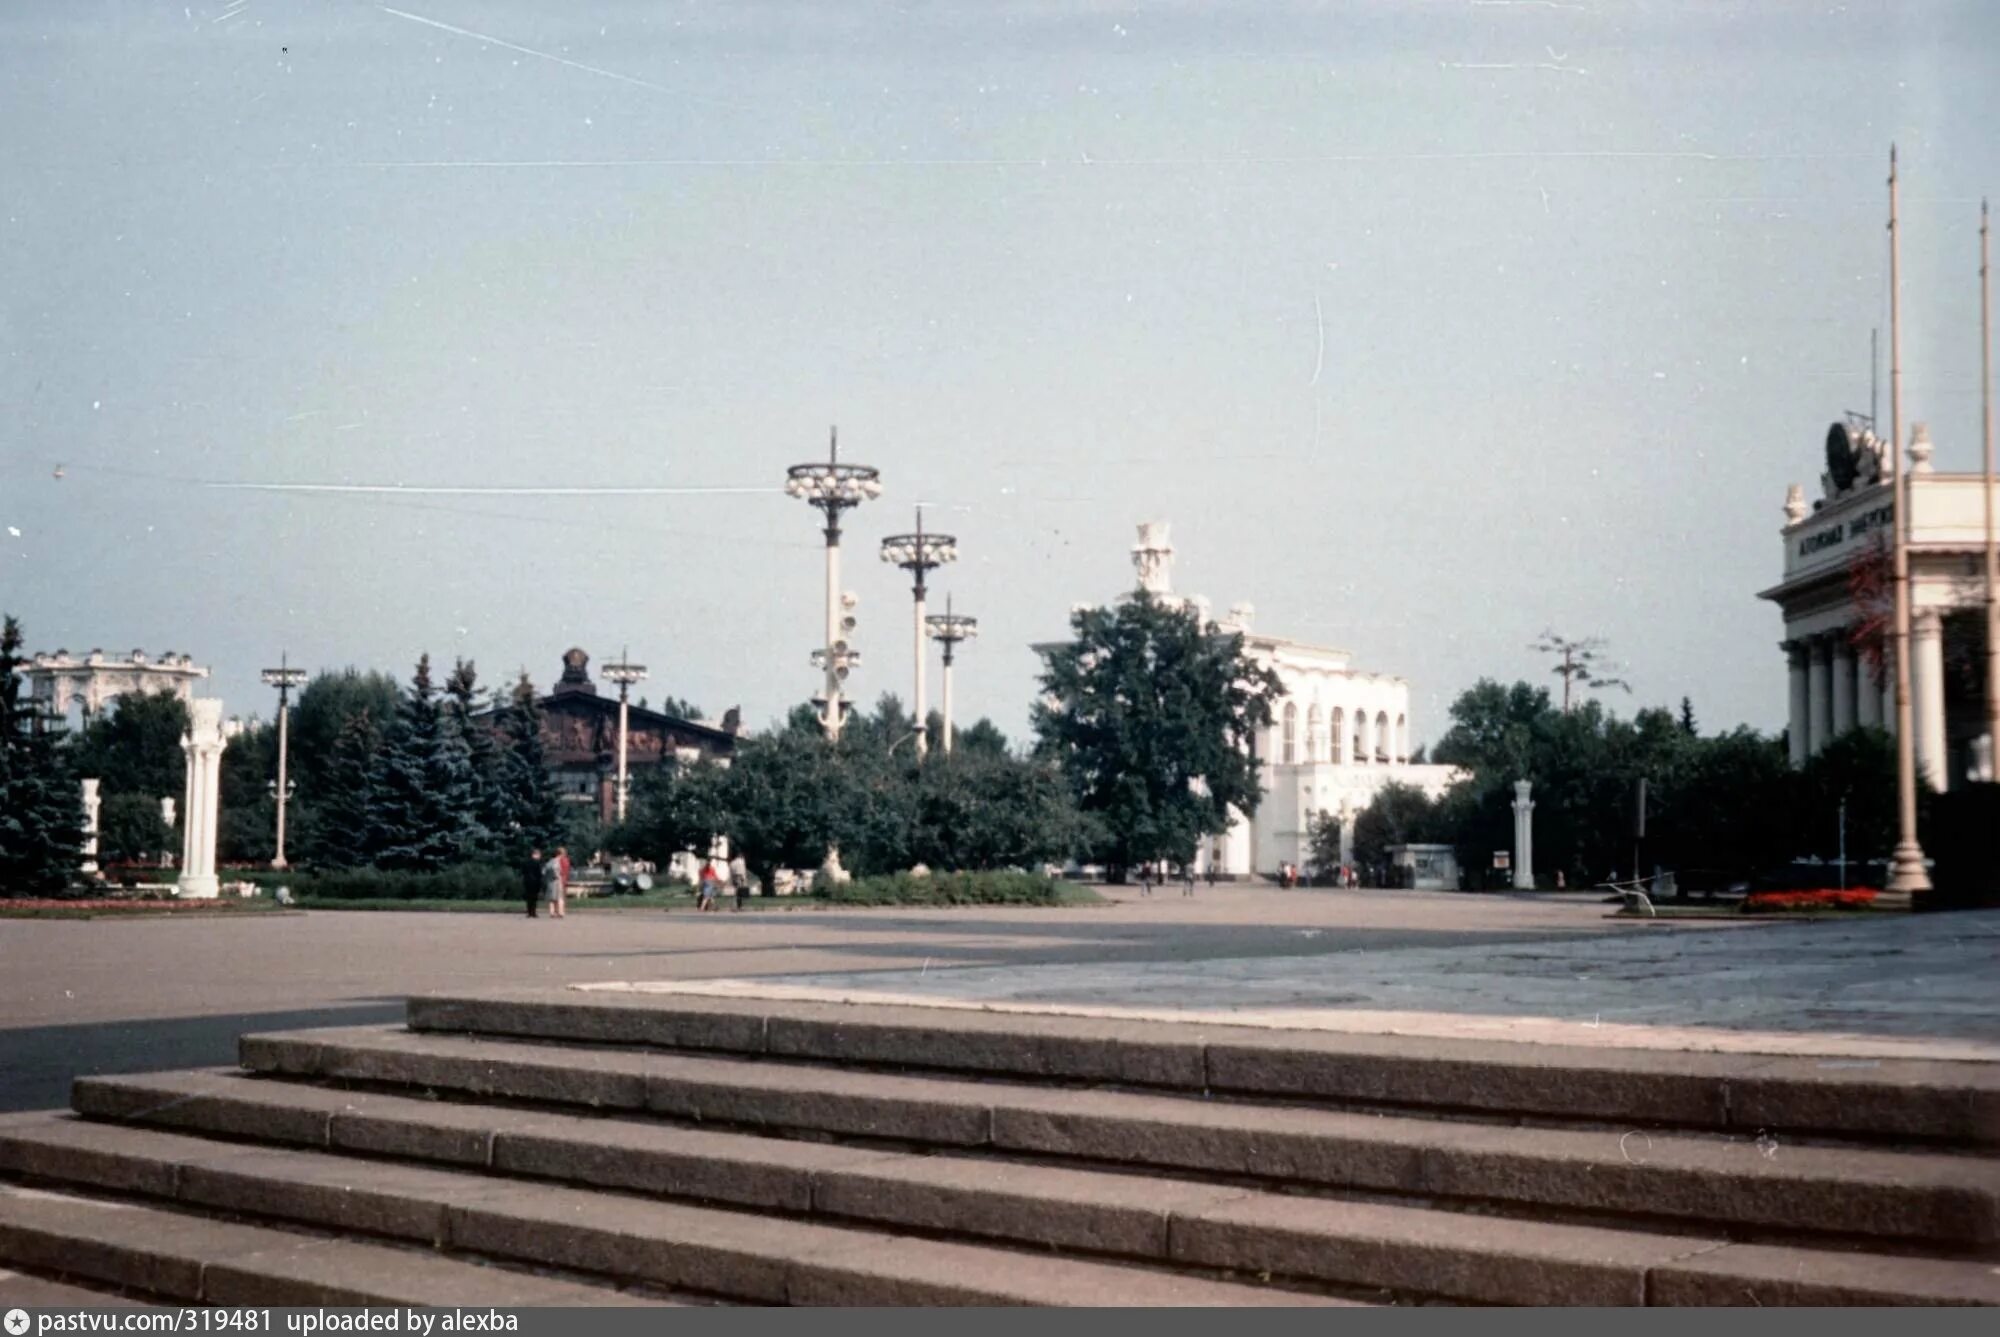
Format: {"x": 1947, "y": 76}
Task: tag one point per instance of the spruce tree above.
{"x": 346, "y": 793}
{"x": 41, "y": 804}
{"x": 473, "y": 742}
{"x": 527, "y": 798}
{"x": 420, "y": 810}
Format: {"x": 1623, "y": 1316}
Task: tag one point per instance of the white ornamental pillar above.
{"x": 1927, "y": 687}
{"x": 1819, "y": 694}
{"x": 90, "y": 807}
{"x": 1867, "y": 697}
{"x": 1799, "y": 728}
{"x": 1524, "y": 837}
{"x": 203, "y": 745}
{"x": 1843, "y": 686}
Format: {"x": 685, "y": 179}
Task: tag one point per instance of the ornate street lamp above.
{"x": 949, "y": 629}
{"x": 920, "y": 554}
{"x": 624, "y": 673}
{"x": 831, "y": 488}
{"x": 284, "y": 678}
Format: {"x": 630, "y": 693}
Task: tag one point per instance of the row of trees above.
{"x": 1729, "y": 802}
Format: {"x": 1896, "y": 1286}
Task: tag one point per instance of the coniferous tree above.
{"x": 41, "y": 804}
{"x": 420, "y": 811}
{"x": 341, "y": 827}
{"x": 475, "y": 745}
{"x": 526, "y": 799}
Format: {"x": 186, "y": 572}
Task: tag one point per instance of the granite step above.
{"x": 177, "y": 1255}
{"x": 1713, "y": 1181}
{"x": 733, "y": 1254}
{"x": 1400, "y": 1249}
{"x": 1895, "y": 1100}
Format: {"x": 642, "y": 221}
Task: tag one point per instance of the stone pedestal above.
{"x": 1524, "y": 837}
{"x": 203, "y": 744}
{"x": 90, "y": 808}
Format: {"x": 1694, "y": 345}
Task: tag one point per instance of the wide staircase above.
{"x": 563, "y": 1147}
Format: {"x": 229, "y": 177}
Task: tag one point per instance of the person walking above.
{"x": 1210, "y": 875}
{"x": 739, "y": 879}
{"x": 1187, "y": 879}
{"x": 531, "y": 879}
{"x": 1145, "y": 879}
{"x": 709, "y": 879}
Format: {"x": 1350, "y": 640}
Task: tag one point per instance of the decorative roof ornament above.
{"x": 1153, "y": 556}
{"x": 1795, "y": 504}
{"x": 1921, "y": 449}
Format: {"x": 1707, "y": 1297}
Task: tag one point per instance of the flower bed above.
{"x": 1827, "y": 898}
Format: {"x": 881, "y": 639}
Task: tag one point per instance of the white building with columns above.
{"x": 1340, "y": 735}
{"x": 1835, "y": 600}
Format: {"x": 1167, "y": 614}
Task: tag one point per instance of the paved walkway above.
{"x": 1918, "y": 986}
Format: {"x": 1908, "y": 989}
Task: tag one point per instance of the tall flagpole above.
{"x": 1907, "y": 875}
{"x": 1992, "y": 561}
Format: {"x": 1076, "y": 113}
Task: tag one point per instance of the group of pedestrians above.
{"x": 1149, "y": 873}
{"x": 709, "y": 887}
{"x": 546, "y": 882}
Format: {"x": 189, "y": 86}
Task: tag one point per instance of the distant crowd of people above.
{"x": 545, "y": 882}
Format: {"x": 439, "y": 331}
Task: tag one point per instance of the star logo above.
{"x": 17, "y": 1322}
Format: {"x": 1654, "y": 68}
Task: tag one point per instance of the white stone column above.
{"x": 1843, "y": 684}
{"x": 1524, "y": 837}
{"x": 1799, "y": 727}
{"x": 1867, "y": 697}
{"x": 1819, "y": 694}
{"x": 203, "y": 745}
{"x": 1927, "y": 690}
{"x": 90, "y": 829}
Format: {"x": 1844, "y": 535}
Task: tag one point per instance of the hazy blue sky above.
{"x": 1428, "y": 326}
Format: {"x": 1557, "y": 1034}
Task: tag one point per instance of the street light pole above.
{"x": 1992, "y": 560}
{"x": 919, "y": 554}
{"x": 624, "y": 673}
{"x": 831, "y": 488}
{"x": 949, "y": 630}
{"x": 1907, "y": 875}
{"x": 284, "y": 678}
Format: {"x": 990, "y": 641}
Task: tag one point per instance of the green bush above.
{"x": 952, "y": 889}
{"x": 463, "y": 882}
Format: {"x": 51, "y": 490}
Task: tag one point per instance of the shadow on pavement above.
{"x": 37, "y": 1063}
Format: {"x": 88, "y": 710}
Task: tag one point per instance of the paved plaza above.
{"x": 122, "y": 996}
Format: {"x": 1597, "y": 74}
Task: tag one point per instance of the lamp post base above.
{"x": 1907, "y": 877}
{"x": 279, "y": 865}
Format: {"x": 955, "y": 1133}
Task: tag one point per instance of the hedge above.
{"x": 465, "y": 882}
{"x": 955, "y": 889}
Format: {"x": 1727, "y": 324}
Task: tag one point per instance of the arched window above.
{"x": 1402, "y": 738}
{"x": 1288, "y": 752}
{"x": 1381, "y": 735}
{"x": 1360, "y": 737}
{"x": 1313, "y": 746}
{"x": 1337, "y": 735}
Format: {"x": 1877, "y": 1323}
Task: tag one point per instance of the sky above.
{"x": 1428, "y": 326}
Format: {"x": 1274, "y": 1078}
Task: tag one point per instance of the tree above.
{"x": 680, "y": 708}
{"x": 982, "y": 737}
{"x": 130, "y": 829}
{"x": 246, "y": 831}
{"x": 675, "y": 810}
{"x": 1399, "y": 815}
{"x": 322, "y": 710}
{"x": 420, "y": 809}
{"x": 1151, "y": 717}
{"x": 781, "y": 799}
{"x": 527, "y": 808}
{"x": 1582, "y": 663}
{"x": 479, "y": 754}
{"x": 341, "y": 832}
{"x": 978, "y": 810}
{"x": 41, "y": 803}
{"x": 135, "y": 746}
{"x": 1688, "y": 726}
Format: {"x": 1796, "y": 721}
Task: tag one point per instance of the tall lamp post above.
{"x": 624, "y": 673}
{"x": 831, "y": 487}
{"x": 949, "y": 630}
{"x": 284, "y": 678}
{"x": 920, "y": 554}
{"x": 1907, "y": 874}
